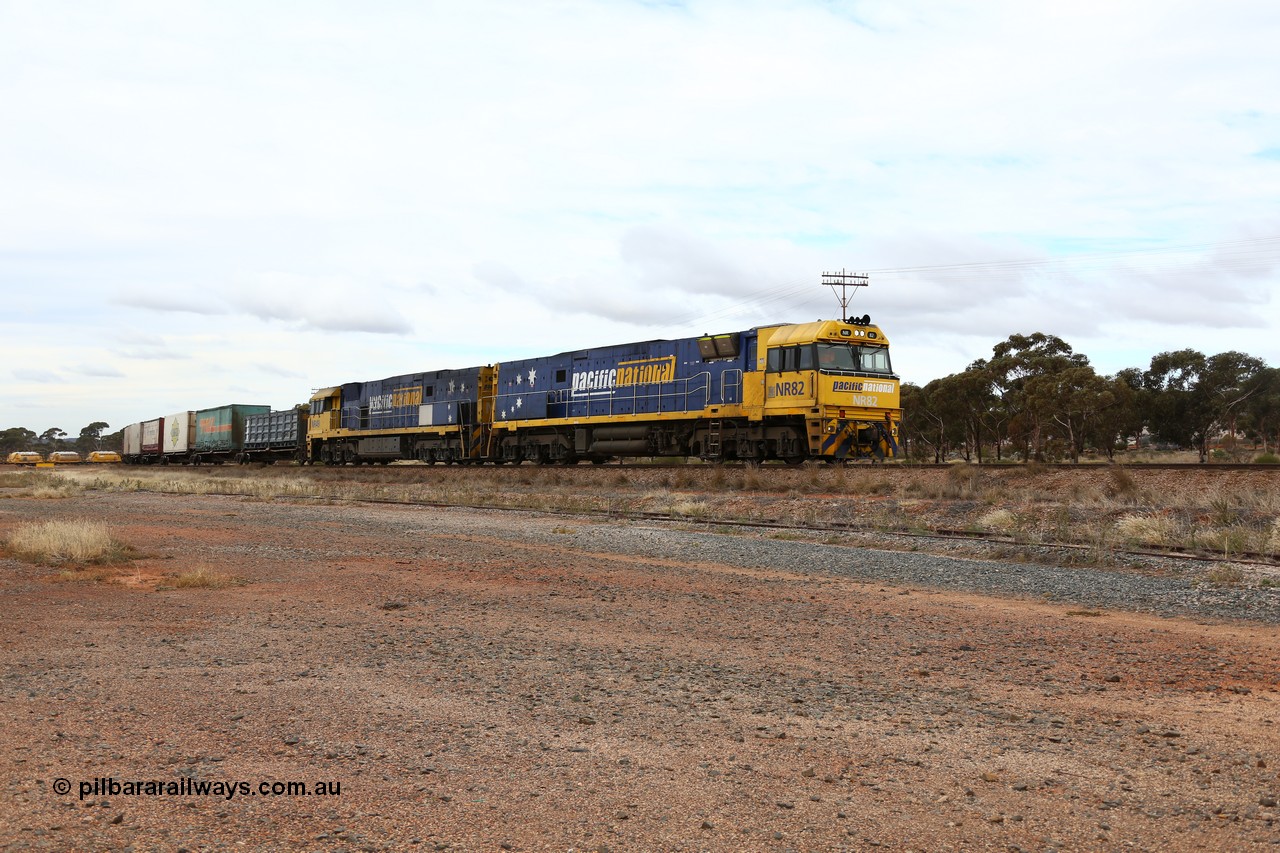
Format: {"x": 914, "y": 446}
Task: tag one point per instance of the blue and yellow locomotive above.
{"x": 824, "y": 390}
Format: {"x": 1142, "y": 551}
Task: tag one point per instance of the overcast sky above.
{"x": 206, "y": 203}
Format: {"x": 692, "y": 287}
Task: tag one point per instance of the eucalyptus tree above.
{"x": 91, "y": 437}
{"x": 16, "y": 438}
{"x": 1069, "y": 401}
{"x": 1192, "y": 395}
{"x": 1013, "y": 363}
{"x": 1260, "y": 414}
{"x": 1114, "y": 425}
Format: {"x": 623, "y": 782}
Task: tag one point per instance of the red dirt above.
{"x": 474, "y": 691}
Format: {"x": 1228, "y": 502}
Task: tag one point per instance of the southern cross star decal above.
{"x": 532, "y": 375}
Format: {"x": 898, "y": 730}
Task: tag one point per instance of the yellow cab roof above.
{"x": 805, "y": 333}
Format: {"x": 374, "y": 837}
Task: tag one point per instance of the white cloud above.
{"x": 232, "y": 196}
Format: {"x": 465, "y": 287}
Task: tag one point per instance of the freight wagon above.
{"x": 276, "y": 436}
{"x": 24, "y": 457}
{"x": 179, "y": 437}
{"x": 131, "y": 443}
{"x": 219, "y": 433}
{"x": 193, "y": 437}
{"x": 139, "y": 436}
{"x": 153, "y": 440}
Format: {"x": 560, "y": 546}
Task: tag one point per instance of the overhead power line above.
{"x": 1251, "y": 256}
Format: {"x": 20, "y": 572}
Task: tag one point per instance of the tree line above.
{"x": 1036, "y": 398}
{"x": 91, "y": 438}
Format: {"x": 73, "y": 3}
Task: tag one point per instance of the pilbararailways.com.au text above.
{"x": 109, "y": 786}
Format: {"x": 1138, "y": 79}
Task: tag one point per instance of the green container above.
{"x": 221, "y": 430}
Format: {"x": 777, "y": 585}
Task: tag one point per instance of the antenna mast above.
{"x": 845, "y": 280}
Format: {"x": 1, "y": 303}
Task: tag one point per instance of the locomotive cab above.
{"x": 835, "y": 381}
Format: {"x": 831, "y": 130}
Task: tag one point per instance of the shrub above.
{"x": 1267, "y": 459}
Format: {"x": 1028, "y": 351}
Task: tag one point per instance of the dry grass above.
{"x": 687, "y": 507}
{"x": 1001, "y": 520}
{"x": 1105, "y": 505}
{"x": 1123, "y": 486}
{"x": 1227, "y": 575}
{"x": 204, "y": 579}
{"x": 40, "y": 485}
{"x": 58, "y": 542}
{"x": 1147, "y": 529}
{"x": 86, "y": 575}
{"x": 57, "y": 490}
{"x": 1273, "y": 540}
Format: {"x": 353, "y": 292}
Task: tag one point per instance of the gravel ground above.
{"x": 1144, "y": 592}
{"x": 496, "y": 680}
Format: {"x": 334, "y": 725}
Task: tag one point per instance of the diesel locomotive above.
{"x": 824, "y": 390}
{"x": 793, "y": 392}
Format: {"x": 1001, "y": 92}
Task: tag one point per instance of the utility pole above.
{"x": 845, "y": 280}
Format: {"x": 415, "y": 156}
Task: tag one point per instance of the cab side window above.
{"x": 806, "y": 358}
{"x": 786, "y": 359}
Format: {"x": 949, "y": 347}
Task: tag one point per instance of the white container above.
{"x": 132, "y": 441}
{"x": 179, "y": 433}
{"x": 152, "y": 437}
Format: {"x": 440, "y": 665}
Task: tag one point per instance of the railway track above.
{"x": 818, "y": 530}
{"x": 700, "y": 482}
{"x": 904, "y": 467}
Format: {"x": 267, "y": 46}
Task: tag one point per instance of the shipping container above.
{"x": 132, "y": 443}
{"x": 220, "y": 432}
{"x": 153, "y": 437}
{"x": 274, "y": 436}
{"x": 179, "y": 434}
